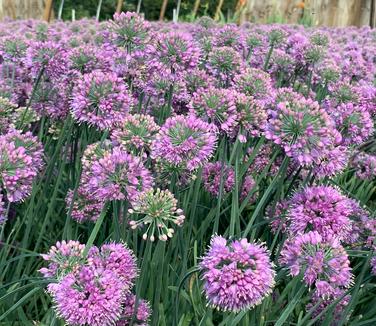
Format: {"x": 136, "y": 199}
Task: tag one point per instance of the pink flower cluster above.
{"x": 93, "y": 289}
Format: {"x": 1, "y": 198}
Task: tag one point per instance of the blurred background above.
{"x": 308, "y": 12}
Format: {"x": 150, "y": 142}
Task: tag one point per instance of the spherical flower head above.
{"x": 94, "y": 152}
{"x": 85, "y": 59}
{"x": 49, "y": 56}
{"x": 230, "y": 36}
{"x": 252, "y": 115}
{"x": 206, "y": 22}
{"x": 249, "y": 185}
{"x": 118, "y": 176}
{"x": 135, "y": 133}
{"x": 177, "y": 50}
{"x": 302, "y": 128}
{"x": 317, "y": 259}
{"x": 117, "y": 258}
{"x": 64, "y": 258}
{"x": 364, "y": 165}
{"x": 213, "y": 173}
{"x": 51, "y": 99}
{"x": 196, "y": 79}
{"x": 130, "y": 31}
{"x": 141, "y": 316}
{"x": 324, "y": 295}
{"x": 328, "y": 71}
{"x": 7, "y": 109}
{"x": 216, "y": 106}
{"x": 237, "y": 275}
{"x": 224, "y": 63}
{"x": 322, "y": 209}
{"x": 256, "y": 83}
{"x": 185, "y": 142}
{"x": 157, "y": 212}
{"x": 100, "y": 99}
{"x": 354, "y": 122}
{"x": 276, "y": 36}
{"x": 20, "y": 161}
{"x": 333, "y": 161}
{"x": 85, "y": 206}
{"x": 89, "y": 297}
{"x": 13, "y": 49}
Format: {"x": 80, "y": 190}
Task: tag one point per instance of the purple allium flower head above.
{"x": 354, "y": 122}
{"x": 64, "y": 258}
{"x": 20, "y": 161}
{"x": 85, "y": 207}
{"x": 177, "y": 50}
{"x": 324, "y": 295}
{"x": 117, "y": 258}
{"x": 184, "y": 142}
{"x": 216, "y": 106}
{"x": 89, "y": 297}
{"x": 93, "y": 153}
{"x": 51, "y": 99}
{"x": 141, "y": 316}
{"x": 130, "y": 31}
{"x": 302, "y": 128}
{"x": 230, "y": 36}
{"x": 364, "y": 165}
{"x": 238, "y": 275}
{"x": 252, "y": 115}
{"x": 322, "y": 209}
{"x": 224, "y": 63}
{"x": 135, "y": 133}
{"x": 196, "y": 79}
{"x": 101, "y": 99}
{"x": 85, "y": 59}
{"x": 318, "y": 259}
{"x": 156, "y": 211}
{"x": 212, "y": 174}
{"x": 117, "y": 176}
{"x": 333, "y": 161}
{"x": 49, "y": 56}
{"x": 13, "y": 49}
{"x": 255, "y": 82}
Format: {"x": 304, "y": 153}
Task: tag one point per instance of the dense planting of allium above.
{"x": 116, "y": 132}
{"x": 238, "y": 275}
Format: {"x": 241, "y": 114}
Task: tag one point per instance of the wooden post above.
{"x": 163, "y": 10}
{"x": 218, "y": 9}
{"x": 47, "y": 10}
{"x": 195, "y": 8}
{"x": 119, "y": 6}
{"x": 372, "y": 17}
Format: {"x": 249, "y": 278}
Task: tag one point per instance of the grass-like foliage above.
{"x": 186, "y": 174}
